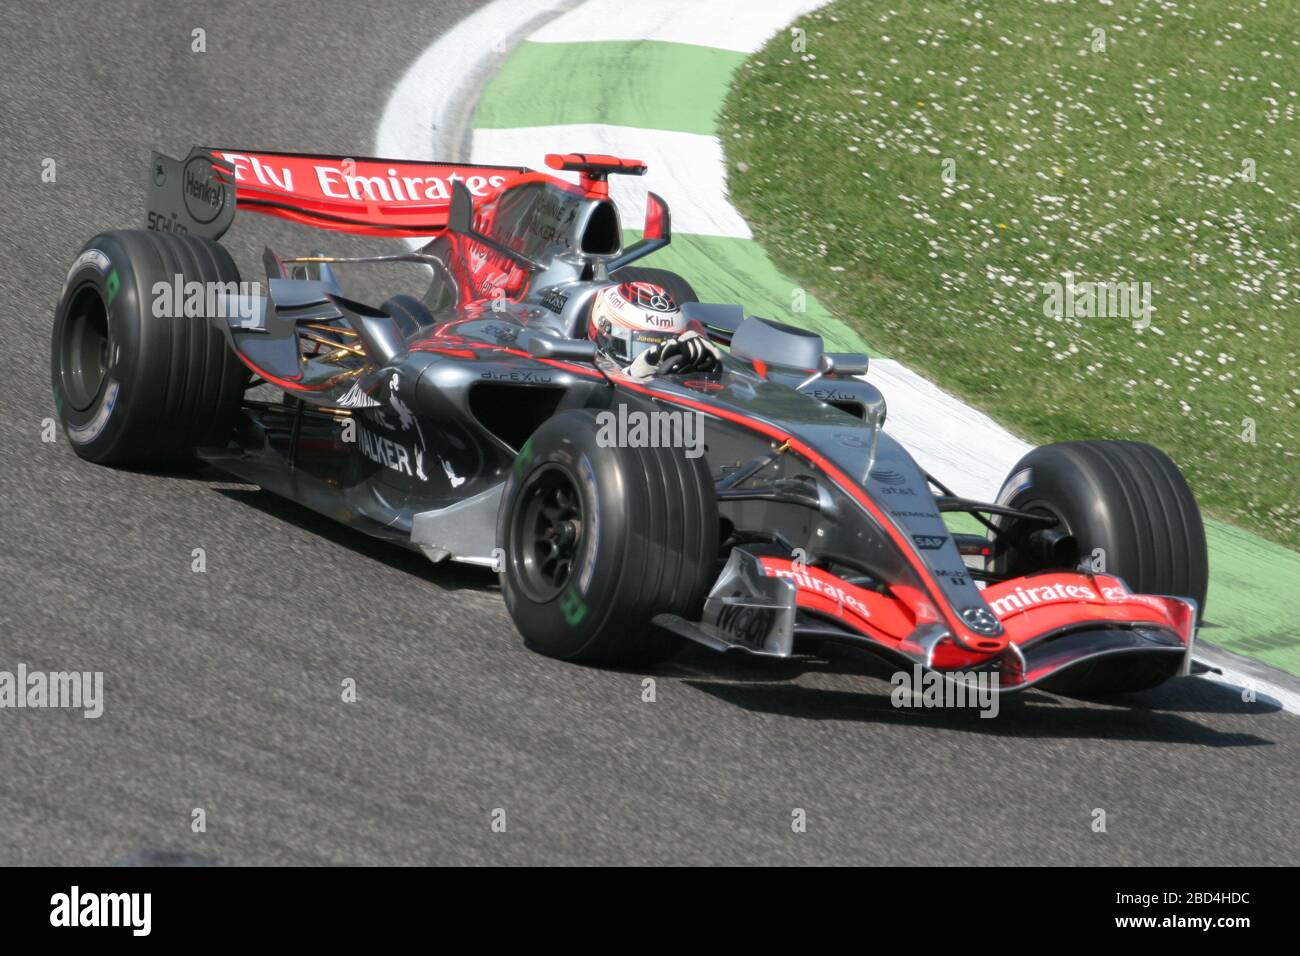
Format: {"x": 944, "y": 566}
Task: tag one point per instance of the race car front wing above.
{"x": 1056, "y": 621}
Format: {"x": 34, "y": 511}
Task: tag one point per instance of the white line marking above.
{"x": 445, "y": 80}
{"x": 1264, "y": 691}
{"x": 739, "y": 25}
{"x": 1242, "y": 673}
{"x": 427, "y": 114}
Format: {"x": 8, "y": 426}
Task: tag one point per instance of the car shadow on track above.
{"x": 1156, "y": 715}
{"x": 767, "y": 685}
{"x": 447, "y": 576}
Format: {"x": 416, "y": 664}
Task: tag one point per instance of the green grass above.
{"x": 1117, "y": 165}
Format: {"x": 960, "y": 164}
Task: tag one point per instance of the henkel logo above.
{"x": 205, "y": 195}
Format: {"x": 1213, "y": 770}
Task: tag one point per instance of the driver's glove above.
{"x": 689, "y": 352}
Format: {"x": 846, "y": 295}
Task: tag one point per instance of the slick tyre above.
{"x": 132, "y": 388}
{"x": 598, "y": 539}
{"x": 1131, "y": 514}
{"x": 677, "y": 287}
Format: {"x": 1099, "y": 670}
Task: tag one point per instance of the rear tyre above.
{"x": 677, "y": 287}
{"x": 133, "y": 388}
{"x": 1131, "y": 514}
{"x": 599, "y": 539}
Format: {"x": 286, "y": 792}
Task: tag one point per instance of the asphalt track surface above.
{"x": 223, "y": 688}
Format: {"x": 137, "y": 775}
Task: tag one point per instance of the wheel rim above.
{"x": 549, "y": 535}
{"x": 83, "y": 359}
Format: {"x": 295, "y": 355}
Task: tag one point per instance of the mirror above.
{"x": 573, "y": 350}
{"x": 848, "y": 363}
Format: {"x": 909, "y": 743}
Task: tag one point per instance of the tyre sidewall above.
{"x": 105, "y": 266}
{"x": 564, "y": 626}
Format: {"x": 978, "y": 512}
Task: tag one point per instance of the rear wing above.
{"x": 361, "y": 195}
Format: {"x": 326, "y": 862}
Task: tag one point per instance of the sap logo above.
{"x": 929, "y": 542}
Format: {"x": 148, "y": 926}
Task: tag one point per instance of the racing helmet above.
{"x": 629, "y": 318}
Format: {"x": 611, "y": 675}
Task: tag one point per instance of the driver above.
{"x": 640, "y": 326}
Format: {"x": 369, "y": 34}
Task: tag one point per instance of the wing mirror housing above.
{"x": 571, "y": 350}
{"x": 847, "y": 363}
{"x": 657, "y": 233}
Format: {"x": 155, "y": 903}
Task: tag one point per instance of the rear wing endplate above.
{"x": 195, "y": 195}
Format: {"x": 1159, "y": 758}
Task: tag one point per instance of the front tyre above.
{"x": 599, "y": 539}
{"x": 132, "y": 388}
{"x": 1130, "y": 513}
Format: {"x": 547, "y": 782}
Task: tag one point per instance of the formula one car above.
{"x": 640, "y": 468}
